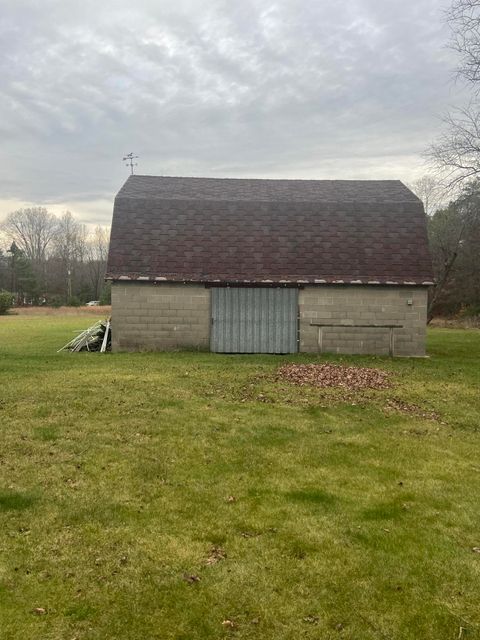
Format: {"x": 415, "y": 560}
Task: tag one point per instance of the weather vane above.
{"x": 130, "y": 161}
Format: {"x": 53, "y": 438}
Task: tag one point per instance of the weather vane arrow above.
{"x": 130, "y": 161}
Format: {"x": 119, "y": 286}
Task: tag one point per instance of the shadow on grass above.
{"x": 312, "y": 496}
{"x": 46, "y": 434}
{"x": 384, "y": 511}
{"x": 16, "y": 500}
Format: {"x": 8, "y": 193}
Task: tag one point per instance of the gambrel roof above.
{"x": 268, "y": 231}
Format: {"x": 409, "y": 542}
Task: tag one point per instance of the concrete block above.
{"x": 363, "y": 305}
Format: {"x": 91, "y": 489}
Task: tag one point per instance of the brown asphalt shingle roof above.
{"x": 242, "y": 230}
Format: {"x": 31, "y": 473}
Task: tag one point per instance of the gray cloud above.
{"x": 254, "y": 88}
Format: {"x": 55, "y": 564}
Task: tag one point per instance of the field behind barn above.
{"x": 194, "y": 496}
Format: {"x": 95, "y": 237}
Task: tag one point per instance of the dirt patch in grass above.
{"x": 396, "y": 404}
{"x": 216, "y": 555}
{"x": 334, "y": 375}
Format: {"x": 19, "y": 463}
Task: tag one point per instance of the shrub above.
{"x": 471, "y": 311}
{"x": 6, "y": 301}
{"x": 56, "y": 301}
{"x": 74, "y": 301}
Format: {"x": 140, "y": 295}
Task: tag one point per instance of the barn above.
{"x": 269, "y": 266}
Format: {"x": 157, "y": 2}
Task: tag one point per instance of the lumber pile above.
{"x": 98, "y": 337}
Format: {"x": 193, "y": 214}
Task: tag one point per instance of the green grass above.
{"x": 351, "y": 520}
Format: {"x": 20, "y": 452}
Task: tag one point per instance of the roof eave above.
{"x": 268, "y": 281}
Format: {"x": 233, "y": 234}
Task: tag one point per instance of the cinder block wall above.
{"x": 164, "y": 317}
{"x": 349, "y": 305}
{"x": 160, "y": 317}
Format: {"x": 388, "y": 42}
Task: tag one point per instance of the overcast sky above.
{"x": 253, "y": 88}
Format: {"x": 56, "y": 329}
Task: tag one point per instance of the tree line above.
{"x": 45, "y": 259}
{"x": 454, "y": 239}
{"x": 451, "y": 194}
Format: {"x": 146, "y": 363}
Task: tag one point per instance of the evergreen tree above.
{"x": 23, "y": 283}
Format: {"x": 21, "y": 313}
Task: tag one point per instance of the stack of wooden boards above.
{"x": 98, "y": 337}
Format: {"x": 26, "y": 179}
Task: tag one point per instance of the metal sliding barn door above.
{"x": 254, "y": 320}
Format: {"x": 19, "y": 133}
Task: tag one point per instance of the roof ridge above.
{"x": 265, "y": 189}
{"x": 179, "y": 177}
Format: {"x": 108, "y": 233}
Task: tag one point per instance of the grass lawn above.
{"x": 192, "y": 496}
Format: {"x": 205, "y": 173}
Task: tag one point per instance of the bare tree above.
{"x": 96, "y": 254}
{"x": 69, "y": 247}
{"x": 464, "y": 20}
{"x": 32, "y": 230}
{"x": 428, "y": 189}
{"x": 452, "y": 232}
{"x": 456, "y": 154}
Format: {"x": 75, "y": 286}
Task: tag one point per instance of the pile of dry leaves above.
{"x": 335, "y": 375}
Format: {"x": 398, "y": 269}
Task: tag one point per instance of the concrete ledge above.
{"x": 355, "y": 315}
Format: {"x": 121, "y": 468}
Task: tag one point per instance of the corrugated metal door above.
{"x": 254, "y": 320}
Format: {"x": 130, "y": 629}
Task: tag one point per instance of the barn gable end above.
{"x": 355, "y": 252}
